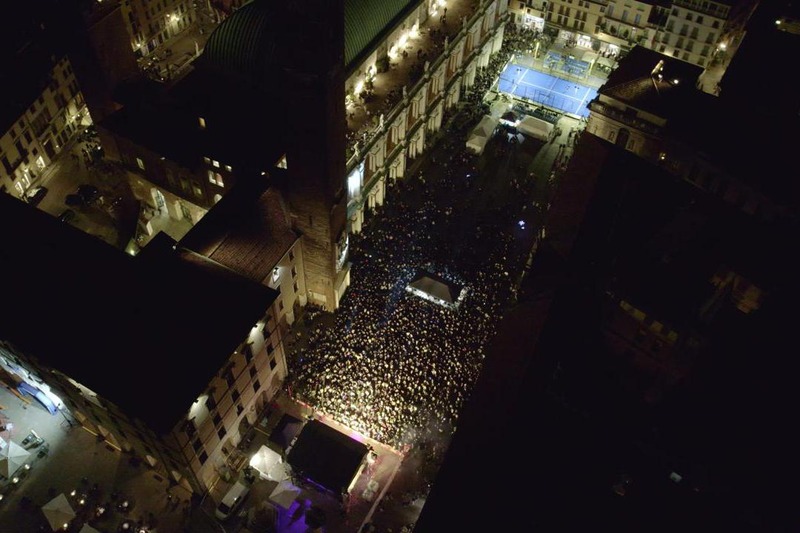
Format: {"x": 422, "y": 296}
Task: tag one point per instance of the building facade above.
{"x": 151, "y": 24}
{"x": 692, "y": 30}
{"x": 34, "y": 138}
{"x": 217, "y": 420}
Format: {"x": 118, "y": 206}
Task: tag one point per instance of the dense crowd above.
{"x": 395, "y": 365}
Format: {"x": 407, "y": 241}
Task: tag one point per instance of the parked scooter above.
{"x": 33, "y": 440}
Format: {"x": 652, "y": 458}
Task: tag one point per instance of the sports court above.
{"x": 567, "y": 96}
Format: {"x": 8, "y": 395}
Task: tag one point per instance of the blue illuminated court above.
{"x": 567, "y": 96}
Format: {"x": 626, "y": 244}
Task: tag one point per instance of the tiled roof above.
{"x": 249, "y": 235}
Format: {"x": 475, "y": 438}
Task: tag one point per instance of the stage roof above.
{"x": 326, "y": 456}
{"x": 436, "y": 286}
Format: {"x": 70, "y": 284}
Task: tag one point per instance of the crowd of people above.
{"x": 396, "y": 367}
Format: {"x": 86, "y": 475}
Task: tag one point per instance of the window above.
{"x": 211, "y": 403}
{"x": 715, "y": 24}
{"x": 184, "y": 184}
{"x": 253, "y": 372}
{"x": 699, "y": 19}
{"x": 189, "y": 428}
{"x": 197, "y": 445}
{"x": 239, "y": 410}
{"x": 291, "y": 255}
{"x": 256, "y": 385}
{"x": 221, "y": 433}
{"x": 235, "y": 395}
{"x": 202, "y": 122}
{"x": 272, "y": 364}
{"x": 215, "y": 163}
{"x": 140, "y": 163}
{"x": 217, "y": 419}
{"x": 196, "y": 189}
{"x": 294, "y": 287}
{"x": 207, "y": 160}
{"x": 229, "y": 168}
{"x": 215, "y": 178}
{"x": 294, "y": 271}
{"x": 203, "y": 458}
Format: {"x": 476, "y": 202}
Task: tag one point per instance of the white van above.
{"x": 232, "y": 500}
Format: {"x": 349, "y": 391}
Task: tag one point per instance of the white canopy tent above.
{"x": 269, "y": 464}
{"x": 58, "y": 512}
{"x": 535, "y": 127}
{"x": 12, "y": 457}
{"x": 284, "y": 494}
{"x": 480, "y": 135}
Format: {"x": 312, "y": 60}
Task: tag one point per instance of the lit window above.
{"x": 140, "y": 163}
{"x": 215, "y": 163}
{"x": 202, "y": 122}
{"x": 215, "y": 178}
{"x": 275, "y": 274}
{"x": 207, "y": 160}
{"x": 282, "y": 162}
{"x": 229, "y": 168}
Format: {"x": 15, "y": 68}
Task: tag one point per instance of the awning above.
{"x": 284, "y": 494}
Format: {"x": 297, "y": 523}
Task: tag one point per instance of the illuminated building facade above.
{"x": 694, "y": 31}
{"x": 33, "y": 135}
{"x": 151, "y": 24}
{"x": 528, "y": 13}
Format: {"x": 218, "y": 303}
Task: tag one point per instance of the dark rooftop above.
{"x": 558, "y": 458}
{"x": 251, "y": 40}
{"x": 156, "y": 120}
{"x": 326, "y": 456}
{"x": 639, "y": 81}
{"x": 247, "y": 232}
{"x": 146, "y": 333}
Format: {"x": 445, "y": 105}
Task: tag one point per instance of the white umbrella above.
{"x": 58, "y": 512}
{"x": 12, "y": 457}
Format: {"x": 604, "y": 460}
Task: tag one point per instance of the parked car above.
{"x": 232, "y": 500}
{"x": 35, "y": 195}
{"x": 66, "y": 215}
